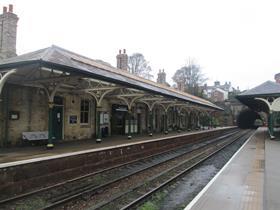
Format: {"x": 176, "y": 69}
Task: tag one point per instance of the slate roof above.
{"x": 266, "y": 88}
{"x": 62, "y": 59}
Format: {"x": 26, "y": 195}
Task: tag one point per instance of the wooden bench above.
{"x": 35, "y": 136}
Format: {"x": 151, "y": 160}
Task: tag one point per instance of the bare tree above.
{"x": 138, "y": 65}
{"x": 189, "y": 78}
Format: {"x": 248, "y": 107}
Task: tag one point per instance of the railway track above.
{"x": 132, "y": 198}
{"x": 93, "y": 186}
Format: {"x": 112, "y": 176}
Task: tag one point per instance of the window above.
{"x": 84, "y": 119}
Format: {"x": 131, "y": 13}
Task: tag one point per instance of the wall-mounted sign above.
{"x": 119, "y": 108}
{"x": 106, "y": 118}
{"x": 73, "y": 119}
{"x": 13, "y": 115}
{"x": 101, "y": 118}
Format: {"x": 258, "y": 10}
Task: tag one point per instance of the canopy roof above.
{"x": 268, "y": 90}
{"x": 60, "y": 59}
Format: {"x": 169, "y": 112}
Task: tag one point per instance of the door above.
{"x": 118, "y": 123}
{"x": 57, "y": 122}
{"x": 58, "y": 118}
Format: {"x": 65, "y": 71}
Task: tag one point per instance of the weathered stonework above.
{"x": 8, "y": 33}
{"x": 72, "y": 107}
{"x": 32, "y": 108}
{"x": 122, "y": 60}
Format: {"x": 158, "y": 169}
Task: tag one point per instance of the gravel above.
{"x": 184, "y": 190}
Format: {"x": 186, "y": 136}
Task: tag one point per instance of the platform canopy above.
{"x": 262, "y": 98}
{"x": 57, "y": 69}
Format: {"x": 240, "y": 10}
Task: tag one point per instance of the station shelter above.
{"x": 73, "y": 97}
{"x": 264, "y": 100}
{"x": 59, "y": 95}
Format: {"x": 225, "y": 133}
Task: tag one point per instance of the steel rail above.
{"x": 24, "y": 195}
{"x": 174, "y": 178}
{"x": 91, "y": 189}
{"x": 210, "y": 145}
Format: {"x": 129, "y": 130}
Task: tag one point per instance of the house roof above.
{"x": 63, "y": 59}
{"x": 220, "y": 90}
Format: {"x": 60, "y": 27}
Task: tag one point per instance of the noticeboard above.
{"x": 73, "y": 119}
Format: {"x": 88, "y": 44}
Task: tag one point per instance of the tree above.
{"x": 189, "y": 78}
{"x": 138, "y": 65}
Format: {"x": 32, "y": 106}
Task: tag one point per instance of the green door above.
{"x": 57, "y": 122}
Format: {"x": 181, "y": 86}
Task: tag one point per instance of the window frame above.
{"x": 85, "y": 111}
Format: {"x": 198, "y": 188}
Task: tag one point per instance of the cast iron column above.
{"x": 165, "y": 122}
{"x": 151, "y": 122}
{"x": 179, "y": 123}
{"x": 129, "y": 124}
{"x": 50, "y": 144}
{"x": 98, "y": 131}
{"x": 271, "y": 122}
{"x": 210, "y": 122}
{"x": 186, "y": 121}
{"x": 173, "y": 119}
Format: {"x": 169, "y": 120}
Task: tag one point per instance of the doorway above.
{"x": 119, "y": 113}
{"x": 57, "y": 120}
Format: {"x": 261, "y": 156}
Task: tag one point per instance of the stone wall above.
{"x": 72, "y": 105}
{"x": 31, "y": 106}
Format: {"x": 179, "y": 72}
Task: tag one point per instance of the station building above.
{"x": 59, "y": 95}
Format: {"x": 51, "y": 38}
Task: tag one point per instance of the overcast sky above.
{"x": 233, "y": 40}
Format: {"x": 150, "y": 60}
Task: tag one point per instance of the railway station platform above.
{"x": 249, "y": 181}
{"x": 25, "y": 169}
{"x": 25, "y": 153}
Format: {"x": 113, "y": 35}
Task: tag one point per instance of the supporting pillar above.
{"x": 50, "y": 144}
{"x": 179, "y": 121}
{"x": 210, "y": 122}
{"x": 166, "y": 122}
{"x": 189, "y": 121}
{"x": 5, "y": 115}
{"x": 186, "y": 121}
{"x": 173, "y": 119}
{"x": 98, "y": 129}
{"x": 197, "y": 122}
{"x": 151, "y": 122}
{"x": 271, "y": 125}
{"x": 129, "y": 124}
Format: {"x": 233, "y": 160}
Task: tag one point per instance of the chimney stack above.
{"x": 181, "y": 86}
{"x": 277, "y": 78}
{"x": 8, "y": 33}
{"x": 10, "y": 8}
{"x": 161, "y": 77}
{"x": 217, "y": 83}
{"x": 122, "y": 60}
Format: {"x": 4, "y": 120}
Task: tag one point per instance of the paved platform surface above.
{"x": 250, "y": 181}
{"x": 13, "y": 155}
